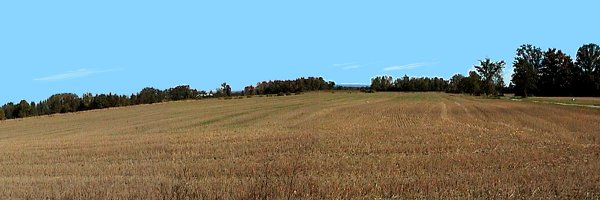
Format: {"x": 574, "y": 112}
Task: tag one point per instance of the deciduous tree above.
{"x": 149, "y": 95}
{"x": 23, "y": 109}
{"x": 527, "y": 63}
{"x": 9, "y": 109}
{"x": 491, "y": 75}
{"x": 473, "y": 85}
{"x": 557, "y": 74}
{"x": 588, "y": 61}
{"x": 2, "y": 116}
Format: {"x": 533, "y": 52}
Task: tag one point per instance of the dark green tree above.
{"x": 228, "y": 90}
{"x": 9, "y": 109}
{"x": 588, "y": 62}
{"x": 557, "y": 74}
{"x": 491, "y": 74}
{"x": 292, "y": 86}
{"x": 2, "y": 116}
{"x": 100, "y": 101}
{"x": 473, "y": 83}
{"x": 63, "y": 103}
{"x": 382, "y": 83}
{"x": 43, "y": 108}
{"x": 23, "y": 109}
{"x": 417, "y": 84}
{"x": 87, "y": 101}
{"x": 456, "y": 84}
{"x": 150, "y": 95}
{"x": 526, "y": 65}
{"x": 225, "y": 89}
{"x": 33, "y": 111}
{"x": 180, "y": 93}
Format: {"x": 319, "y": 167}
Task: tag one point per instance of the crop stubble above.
{"x": 315, "y": 145}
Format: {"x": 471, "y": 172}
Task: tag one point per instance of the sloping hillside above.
{"x": 318, "y": 145}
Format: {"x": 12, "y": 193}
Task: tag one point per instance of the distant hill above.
{"x": 353, "y": 85}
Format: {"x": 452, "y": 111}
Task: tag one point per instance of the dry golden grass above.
{"x": 310, "y": 146}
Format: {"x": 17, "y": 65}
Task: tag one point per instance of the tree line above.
{"x": 408, "y": 84}
{"x": 536, "y": 72}
{"x": 555, "y": 73}
{"x": 69, "y": 102}
{"x": 290, "y": 86}
{"x": 487, "y": 79}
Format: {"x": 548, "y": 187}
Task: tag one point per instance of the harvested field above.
{"x": 314, "y": 145}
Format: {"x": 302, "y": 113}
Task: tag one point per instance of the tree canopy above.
{"x": 69, "y": 102}
{"x": 553, "y": 72}
{"x": 527, "y": 63}
{"x": 588, "y": 63}
{"x": 293, "y": 86}
{"x": 491, "y": 74}
{"x": 408, "y": 84}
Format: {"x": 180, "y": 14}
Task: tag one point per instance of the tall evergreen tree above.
{"x": 86, "y": 101}
{"x": 33, "y": 111}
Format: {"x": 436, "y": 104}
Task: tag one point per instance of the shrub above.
{"x": 368, "y": 91}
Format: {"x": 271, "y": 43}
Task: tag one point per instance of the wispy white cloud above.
{"x": 351, "y": 67}
{"x": 342, "y": 64}
{"x": 347, "y": 66}
{"x": 73, "y": 74}
{"x": 409, "y": 66}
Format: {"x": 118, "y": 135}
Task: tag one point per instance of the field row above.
{"x": 315, "y": 145}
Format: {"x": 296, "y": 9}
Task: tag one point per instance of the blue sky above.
{"x": 48, "y": 47}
